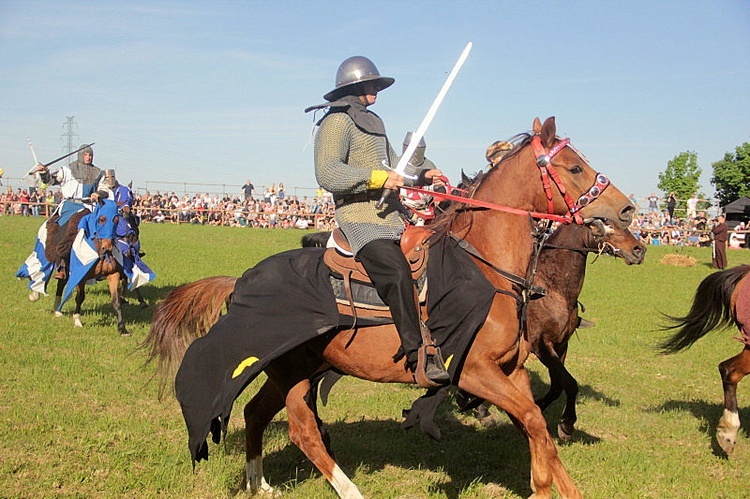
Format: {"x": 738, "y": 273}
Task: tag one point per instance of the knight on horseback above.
{"x": 78, "y": 182}
{"x": 354, "y": 161}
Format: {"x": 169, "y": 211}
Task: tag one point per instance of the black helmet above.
{"x": 355, "y": 70}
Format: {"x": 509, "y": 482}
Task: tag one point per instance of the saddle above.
{"x": 60, "y": 237}
{"x": 343, "y": 267}
{"x": 341, "y": 262}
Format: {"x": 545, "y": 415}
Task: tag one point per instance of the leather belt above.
{"x": 360, "y": 197}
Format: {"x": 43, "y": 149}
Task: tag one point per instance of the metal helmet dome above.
{"x": 356, "y": 69}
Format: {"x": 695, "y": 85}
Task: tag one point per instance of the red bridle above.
{"x": 547, "y": 171}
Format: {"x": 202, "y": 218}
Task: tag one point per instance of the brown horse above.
{"x": 722, "y": 299}
{"x": 554, "y": 318}
{"x": 501, "y": 239}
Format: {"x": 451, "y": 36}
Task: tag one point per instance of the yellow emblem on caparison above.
{"x": 448, "y": 361}
{"x": 244, "y": 364}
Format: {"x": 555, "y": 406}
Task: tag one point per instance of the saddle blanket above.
{"x": 287, "y": 300}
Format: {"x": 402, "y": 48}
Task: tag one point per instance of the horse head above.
{"x": 614, "y": 240}
{"x": 101, "y": 227}
{"x": 566, "y": 184}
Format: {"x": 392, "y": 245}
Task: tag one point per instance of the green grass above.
{"x": 80, "y": 416}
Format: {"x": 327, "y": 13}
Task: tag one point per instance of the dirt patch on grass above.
{"x": 678, "y": 260}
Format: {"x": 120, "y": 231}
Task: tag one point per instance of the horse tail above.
{"x": 186, "y": 314}
{"x": 711, "y": 309}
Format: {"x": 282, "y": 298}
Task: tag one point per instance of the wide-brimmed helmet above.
{"x": 354, "y": 70}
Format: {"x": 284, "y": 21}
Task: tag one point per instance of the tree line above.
{"x": 731, "y": 176}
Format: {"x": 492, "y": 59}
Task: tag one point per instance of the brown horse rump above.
{"x": 287, "y": 300}
{"x": 60, "y": 237}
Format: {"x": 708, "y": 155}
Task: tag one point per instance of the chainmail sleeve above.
{"x": 345, "y": 157}
{"x": 335, "y": 170}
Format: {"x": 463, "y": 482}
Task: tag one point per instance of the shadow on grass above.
{"x": 466, "y": 454}
{"x": 97, "y": 307}
{"x": 707, "y": 414}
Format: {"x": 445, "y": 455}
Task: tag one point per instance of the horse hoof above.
{"x": 565, "y": 431}
{"x": 77, "y": 320}
{"x": 263, "y": 490}
{"x": 727, "y": 430}
{"x": 58, "y": 313}
{"x": 34, "y": 296}
{"x": 727, "y": 441}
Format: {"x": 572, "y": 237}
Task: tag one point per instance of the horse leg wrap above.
{"x": 256, "y": 482}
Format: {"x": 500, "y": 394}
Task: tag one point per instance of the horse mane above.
{"x": 497, "y": 154}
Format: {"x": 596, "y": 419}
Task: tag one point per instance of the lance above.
{"x": 417, "y": 136}
{"x": 58, "y": 159}
{"x": 31, "y": 146}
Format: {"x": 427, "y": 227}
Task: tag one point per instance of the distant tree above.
{"x": 682, "y": 177}
{"x": 732, "y": 175}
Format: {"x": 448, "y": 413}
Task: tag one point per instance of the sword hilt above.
{"x": 383, "y": 197}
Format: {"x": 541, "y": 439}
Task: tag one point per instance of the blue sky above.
{"x": 214, "y": 92}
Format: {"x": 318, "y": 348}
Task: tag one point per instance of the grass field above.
{"x": 80, "y": 416}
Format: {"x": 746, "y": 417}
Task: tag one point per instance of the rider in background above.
{"x": 354, "y": 161}
{"x": 123, "y": 198}
{"x": 77, "y": 182}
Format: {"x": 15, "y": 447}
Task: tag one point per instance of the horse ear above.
{"x": 536, "y": 127}
{"x": 465, "y": 178}
{"x": 549, "y": 130}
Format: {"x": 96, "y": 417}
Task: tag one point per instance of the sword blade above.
{"x": 417, "y": 136}
{"x": 67, "y": 155}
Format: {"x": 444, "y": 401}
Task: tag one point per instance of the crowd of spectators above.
{"x": 29, "y": 202}
{"x": 273, "y": 208}
{"x": 269, "y": 210}
{"x": 656, "y": 227}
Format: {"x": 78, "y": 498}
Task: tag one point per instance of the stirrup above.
{"x": 430, "y": 371}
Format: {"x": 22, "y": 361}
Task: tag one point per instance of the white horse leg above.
{"x": 256, "y": 482}
{"x": 77, "y": 320}
{"x": 344, "y": 487}
{"x": 727, "y": 430}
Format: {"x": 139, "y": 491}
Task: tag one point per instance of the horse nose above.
{"x": 639, "y": 252}
{"x": 107, "y": 245}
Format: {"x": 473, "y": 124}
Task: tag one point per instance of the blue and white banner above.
{"x": 36, "y": 268}
{"x": 136, "y": 270}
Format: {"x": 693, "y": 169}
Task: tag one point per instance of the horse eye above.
{"x": 576, "y": 169}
